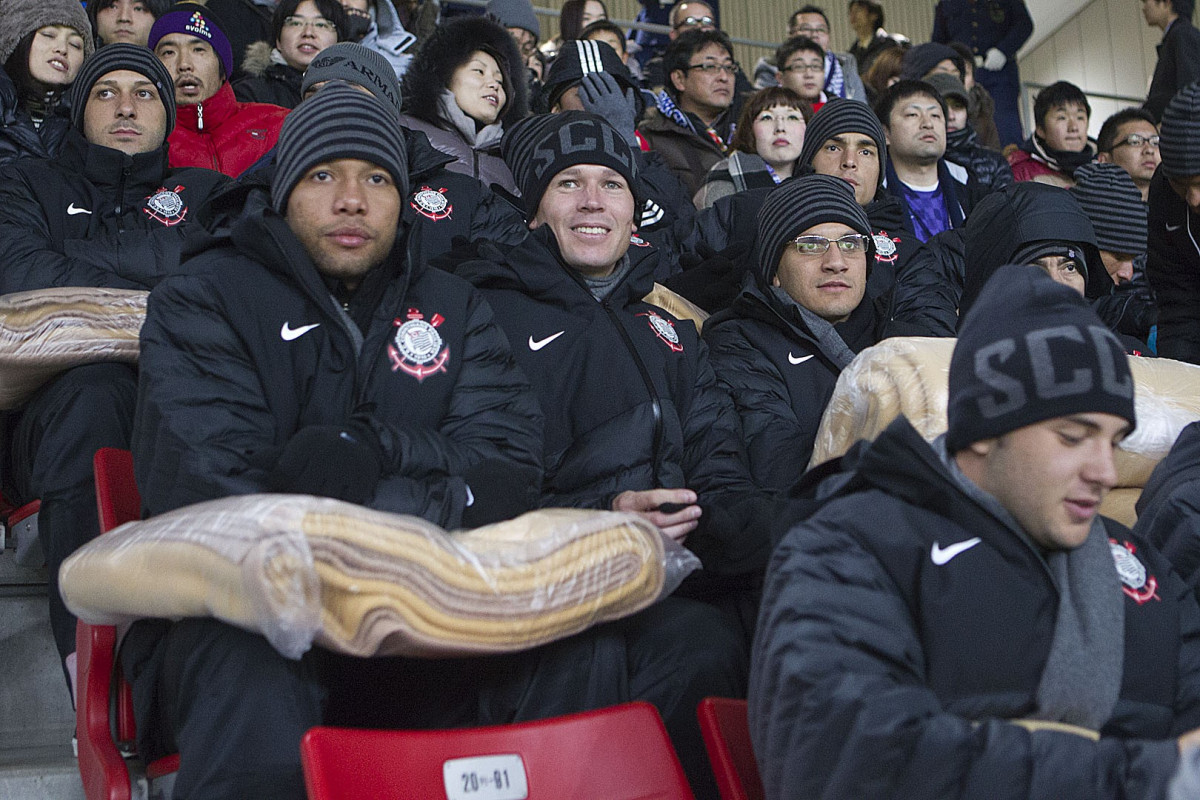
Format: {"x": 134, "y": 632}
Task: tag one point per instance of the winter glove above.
{"x": 339, "y": 461}
{"x": 994, "y": 60}
{"x": 499, "y": 490}
{"x": 601, "y": 94}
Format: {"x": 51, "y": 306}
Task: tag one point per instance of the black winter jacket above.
{"x": 278, "y": 84}
{"x": 1178, "y": 65}
{"x": 247, "y": 346}
{"x": 19, "y": 137}
{"x": 1168, "y": 515}
{"x": 779, "y": 376}
{"x": 1173, "y": 267}
{"x": 630, "y": 399}
{"x": 877, "y": 672}
{"x": 989, "y": 168}
{"x": 96, "y": 217}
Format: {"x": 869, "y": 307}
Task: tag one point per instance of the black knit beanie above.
{"x": 1107, "y": 194}
{"x": 353, "y": 63}
{"x": 539, "y": 147}
{"x": 336, "y": 122}
{"x": 582, "y": 57}
{"x": 122, "y": 55}
{"x": 924, "y": 57}
{"x": 1180, "y": 134}
{"x": 797, "y": 205}
{"x": 840, "y": 116}
{"x": 1030, "y": 350}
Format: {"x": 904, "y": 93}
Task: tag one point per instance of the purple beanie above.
{"x": 193, "y": 19}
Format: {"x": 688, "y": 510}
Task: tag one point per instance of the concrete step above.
{"x": 40, "y": 773}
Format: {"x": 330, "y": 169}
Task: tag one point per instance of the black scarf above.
{"x": 1062, "y": 160}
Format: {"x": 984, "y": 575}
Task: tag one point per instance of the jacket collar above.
{"x": 214, "y": 111}
{"x": 105, "y": 167}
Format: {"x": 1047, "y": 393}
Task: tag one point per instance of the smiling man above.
{"x": 958, "y": 619}
{"x": 213, "y": 129}
{"x": 797, "y": 323}
{"x": 106, "y": 213}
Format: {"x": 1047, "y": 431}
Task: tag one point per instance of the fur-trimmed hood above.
{"x": 21, "y": 17}
{"x": 450, "y": 46}
{"x": 258, "y": 58}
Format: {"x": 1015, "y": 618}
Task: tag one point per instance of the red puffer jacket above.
{"x": 223, "y": 134}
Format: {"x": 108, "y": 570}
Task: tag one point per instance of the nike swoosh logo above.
{"x": 942, "y": 555}
{"x": 72, "y": 210}
{"x": 288, "y": 333}
{"x": 1172, "y": 228}
{"x": 793, "y": 360}
{"x": 538, "y": 344}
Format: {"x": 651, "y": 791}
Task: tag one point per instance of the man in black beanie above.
{"x": 302, "y": 352}
{"x": 106, "y": 213}
{"x": 958, "y": 619}
{"x": 1173, "y": 263}
{"x": 634, "y": 419}
{"x": 799, "y": 320}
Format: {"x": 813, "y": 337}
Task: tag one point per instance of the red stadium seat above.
{"x": 616, "y": 753}
{"x": 726, "y": 734}
{"x": 103, "y": 706}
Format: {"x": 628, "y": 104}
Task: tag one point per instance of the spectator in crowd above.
{"x": 994, "y": 32}
{"x": 841, "y": 77}
{"x": 873, "y": 674}
{"x": 883, "y": 72}
{"x": 611, "y": 34}
{"x": 798, "y": 321}
{"x": 929, "y": 59}
{"x": 42, "y": 45}
{"x": 692, "y": 124}
{"x": 684, "y": 16}
{"x": 802, "y": 69}
{"x": 464, "y": 88}
{"x": 212, "y": 130}
{"x": 376, "y": 25}
{"x": 301, "y": 29}
{"x": 1113, "y": 203}
{"x": 519, "y": 19}
{"x": 572, "y": 19}
{"x": 1059, "y": 144}
{"x": 124, "y": 20}
{"x": 982, "y": 109}
{"x": 247, "y": 22}
{"x": 766, "y": 145}
{"x": 650, "y": 45}
{"x": 988, "y": 167}
{"x": 105, "y": 212}
{"x": 1173, "y": 263}
{"x": 1129, "y": 139}
{"x": 937, "y": 194}
{"x": 866, "y": 18}
{"x": 1178, "y": 53}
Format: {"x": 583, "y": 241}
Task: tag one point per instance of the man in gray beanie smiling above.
{"x": 1173, "y": 265}
{"x": 303, "y": 352}
{"x": 797, "y": 323}
{"x": 958, "y": 619}
{"x": 107, "y": 212}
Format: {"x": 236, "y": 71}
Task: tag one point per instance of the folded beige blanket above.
{"x": 45, "y": 332}
{"x": 909, "y": 375}
{"x": 300, "y": 569}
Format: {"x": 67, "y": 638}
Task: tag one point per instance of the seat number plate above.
{"x": 485, "y": 778}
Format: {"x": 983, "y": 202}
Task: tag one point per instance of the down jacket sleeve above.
{"x": 839, "y": 707}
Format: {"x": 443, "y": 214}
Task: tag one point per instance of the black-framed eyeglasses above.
{"x": 692, "y": 22}
{"x": 712, "y": 69}
{"x": 813, "y": 245}
{"x": 1137, "y": 140}
{"x": 813, "y": 68}
{"x": 299, "y": 23}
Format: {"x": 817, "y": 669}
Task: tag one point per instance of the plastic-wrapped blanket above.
{"x": 48, "y": 331}
{"x": 909, "y": 375}
{"x": 301, "y": 569}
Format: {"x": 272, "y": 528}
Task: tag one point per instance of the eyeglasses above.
{"x": 808, "y": 30}
{"x": 813, "y": 245}
{"x": 1137, "y": 140}
{"x": 299, "y": 23}
{"x": 712, "y": 69}
{"x": 692, "y": 22}
{"x": 813, "y": 68}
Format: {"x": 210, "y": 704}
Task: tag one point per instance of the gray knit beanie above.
{"x": 1113, "y": 203}
{"x": 797, "y": 205}
{"x": 919, "y": 60}
{"x": 515, "y": 14}
{"x": 337, "y": 122}
{"x": 1180, "y": 134}
{"x": 122, "y": 55}
{"x": 353, "y": 63}
{"x": 840, "y": 116}
{"x": 19, "y": 18}
{"x": 949, "y": 86}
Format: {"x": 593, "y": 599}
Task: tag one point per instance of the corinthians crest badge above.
{"x": 432, "y": 203}
{"x": 417, "y": 347}
{"x": 664, "y": 329}
{"x": 885, "y": 247}
{"x": 1135, "y": 582}
{"x": 166, "y": 206}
